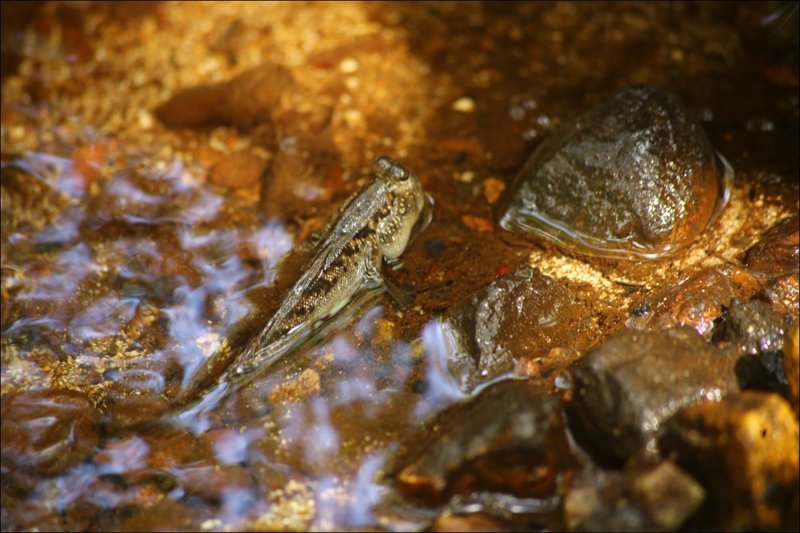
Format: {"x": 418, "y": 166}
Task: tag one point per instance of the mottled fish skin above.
{"x": 375, "y": 224}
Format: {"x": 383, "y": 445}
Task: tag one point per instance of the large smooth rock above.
{"x": 633, "y": 177}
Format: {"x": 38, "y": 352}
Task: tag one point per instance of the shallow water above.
{"x": 124, "y": 264}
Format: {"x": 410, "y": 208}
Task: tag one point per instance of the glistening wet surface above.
{"x": 157, "y": 183}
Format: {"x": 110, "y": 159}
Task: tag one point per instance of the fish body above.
{"x": 375, "y": 224}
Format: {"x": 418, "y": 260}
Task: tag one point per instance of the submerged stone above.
{"x": 244, "y": 101}
{"x": 757, "y": 332}
{"x": 633, "y": 177}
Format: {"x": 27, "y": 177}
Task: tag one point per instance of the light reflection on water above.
{"x": 143, "y": 300}
{"x": 442, "y": 387}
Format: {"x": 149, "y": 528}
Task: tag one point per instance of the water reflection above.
{"x": 440, "y": 340}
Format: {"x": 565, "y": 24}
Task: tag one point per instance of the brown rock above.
{"x": 778, "y": 251}
{"x": 245, "y": 101}
{"x": 696, "y": 302}
{"x": 509, "y": 438}
{"x": 305, "y": 170}
{"x": 667, "y": 494}
{"x": 48, "y": 431}
{"x": 191, "y": 108}
{"x": 744, "y": 450}
{"x": 628, "y": 386}
{"x": 522, "y": 315}
{"x": 757, "y": 332}
{"x": 238, "y": 170}
{"x": 783, "y": 296}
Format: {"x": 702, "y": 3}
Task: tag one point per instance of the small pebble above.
{"x": 492, "y": 189}
{"x": 466, "y": 177}
{"x": 348, "y": 65}
{"x": 464, "y": 105}
{"x": 145, "y": 119}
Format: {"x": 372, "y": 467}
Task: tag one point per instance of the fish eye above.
{"x": 382, "y": 165}
{"x": 399, "y": 173}
{"x": 386, "y": 168}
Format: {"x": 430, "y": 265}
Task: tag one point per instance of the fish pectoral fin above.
{"x": 403, "y": 296}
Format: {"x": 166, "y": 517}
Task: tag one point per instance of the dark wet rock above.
{"x": 510, "y": 438}
{"x": 783, "y": 296}
{"x": 245, "y": 101}
{"x": 521, "y": 315}
{"x": 757, "y": 332}
{"x": 778, "y": 250}
{"x": 744, "y": 450}
{"x": 48, "y": 431}
{"x": 697, "y": 302}
{"x": 628, "y": 386}
{"x": 642, "y": 497}
{"x": 633, "y": 177}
